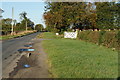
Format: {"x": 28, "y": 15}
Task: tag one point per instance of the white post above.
{"x": 26, "y": 26}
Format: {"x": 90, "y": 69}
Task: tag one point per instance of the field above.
{"x": 69, "y": 58}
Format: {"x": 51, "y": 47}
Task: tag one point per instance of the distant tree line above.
{"x": 62, "y": 16}
{"x": 18, "y": 26}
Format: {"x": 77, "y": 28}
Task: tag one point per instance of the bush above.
{"x": 110, "y": 39}
{"x": 83, "y": 35}
{"x": 118, "y": 37}
{"x": 101, "y": 33}
{"x": 93, "y": 37}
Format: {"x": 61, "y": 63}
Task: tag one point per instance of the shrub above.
{"x": 93, "y": 37}
{"x": 83, "y": 35}
{"x": 110, "y": 39}
{"x": 118, "y": 39}
{"x": 101, "y": 33}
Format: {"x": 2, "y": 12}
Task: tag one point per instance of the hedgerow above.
{"x": 110, "y": 39}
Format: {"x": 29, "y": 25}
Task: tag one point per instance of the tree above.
{"x": 82, "y": 15}
{"x": 108, "y": 15}
{"x": 22, "y": 24}
{"x": 23, "y": 16}
{"x": 39, "y": 27}
{"x": 6, "y": 25}
{"x": 61, "y": 15}
{"x": 1, "y": 11}
{"x": 26, "y": 22}
{"x": 18, "y": 27}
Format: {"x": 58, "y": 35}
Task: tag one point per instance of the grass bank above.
{"x": 17, "y": 35}
{"x": 78, "y": 59}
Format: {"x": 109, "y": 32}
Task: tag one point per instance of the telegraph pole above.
{"x": 12, "y": 20}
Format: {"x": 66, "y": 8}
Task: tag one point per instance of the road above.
{"x": 13, "y": 66}
{"x": 37, "y": 61}
{"x": 11, "y": 46}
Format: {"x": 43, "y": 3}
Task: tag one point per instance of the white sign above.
{"x": 70, "y": 35}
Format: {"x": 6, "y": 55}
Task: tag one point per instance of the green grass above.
{"x": 8, "y": 37}
{"x": 78, "y": 59}
{"x": 12, "y": 36}
{"x": 49, "y": 35}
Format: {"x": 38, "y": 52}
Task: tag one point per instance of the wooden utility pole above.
{"x": 12, "y": 20}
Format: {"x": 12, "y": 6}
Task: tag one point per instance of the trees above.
{"x": 22, "y": 25}
{"x": 61, "y": 15}
{"x": 116, "y": 8}
{"x": 108, "y": 14}
{"x": 23, "y": 15}
{"x": 24, "y": 18}
{"x": 39, "y": 27}
{"x": 26, "y": 23}
{"x": 1, "y": 11}
{"x": 6, "y": 25}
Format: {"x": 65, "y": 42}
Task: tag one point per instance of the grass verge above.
{"x": 13, "y": 36}
{"x": 78, "y": 59}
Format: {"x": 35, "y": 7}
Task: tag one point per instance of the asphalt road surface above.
{"x": 11, "y": 46}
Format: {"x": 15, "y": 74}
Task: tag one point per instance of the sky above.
{"x": 34, "y": 10}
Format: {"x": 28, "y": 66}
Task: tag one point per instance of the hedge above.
{"x": 110, "y": 39}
